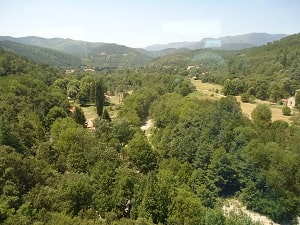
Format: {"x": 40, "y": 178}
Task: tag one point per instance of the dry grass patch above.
{"x": 276, "y": 110}
{"x": 90, "y": 112}
{"x": 206, "y": 86}
{"x": 207, "y": 90}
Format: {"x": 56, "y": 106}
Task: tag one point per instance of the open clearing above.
{"x": 207, "y": 90}
{"x": 90, "y": 114}
{"x": 90, "y": 110}
{"x": 234, "y": 206}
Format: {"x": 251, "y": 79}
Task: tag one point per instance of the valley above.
{"x": 96, "y": 133}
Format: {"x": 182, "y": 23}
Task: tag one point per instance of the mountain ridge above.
{"x": 234, "y": 42}
{"x": 42, "y": 55}
{"x": 96, "y": 54}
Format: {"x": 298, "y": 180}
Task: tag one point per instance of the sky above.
{"x": 140, "y": 23}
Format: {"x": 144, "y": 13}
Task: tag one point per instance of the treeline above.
{"x": 53, "y": 170}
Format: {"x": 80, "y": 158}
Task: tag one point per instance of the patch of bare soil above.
{"x": 234, "y": 206}
{"x": 147, "y": 127}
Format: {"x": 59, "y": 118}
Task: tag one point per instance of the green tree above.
{"x": 186, "y": 209}
{"x": 155, "y": 200}
{"x": 286, "y": 111}
{"x": 233, "y": 87}
{"x": 245, "y": 97}
{"x": 73, "y": 88}
{"x": 78, "y": 115}
{"x": 222, "y": 172}
{"x": 105, "y": 115}
{"x": 99, "y": 96}
{"x": 262, "y": 115}
{"x": 54, "y": 113}
{"x": 297, "y": 100}
{"x": 141, "y": 153}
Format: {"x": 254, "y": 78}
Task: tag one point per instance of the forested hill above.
{"x": 42, "y": 55}
{"x": 236, "y": 42}
{"x": 92, "y": 54}
{"x": 269, "y": 72}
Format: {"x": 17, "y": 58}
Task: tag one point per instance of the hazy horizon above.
{"x": 142, "y": 23}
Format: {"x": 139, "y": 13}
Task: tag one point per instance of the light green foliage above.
{"x": 73, "y": 150}
{"x": 155, "y": 200}
{"x": 233, "y": 87}
{"x": 183, "y": 87}
{"x": 141, "y": 153}
{"x": 186, "y": 209}
{"x": 262, "y": 115}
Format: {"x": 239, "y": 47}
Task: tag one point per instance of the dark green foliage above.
{"x": 99, "y": 97}
{"x": 54, "y": 113}
{"x": 105, "y": 115}
{"x": 245, "y": 97}
{"x": 78, "y": 115}
{"x": 297, "y": 101}
{"x": 42, "y": 55}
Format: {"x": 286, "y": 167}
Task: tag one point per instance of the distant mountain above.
{"x": 277, "y": 61}
{"x": 102, "y": 55}
{"x": 42, "y": 55}
{"x": 113, "y": 55}
{"x": 237, "y": 42}
{"x": 70, "y": 46}
{"x": 173, "y": 45}
{"x": 92, "y": 54}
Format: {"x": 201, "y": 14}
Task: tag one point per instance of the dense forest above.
{"x": 199, "y": 153}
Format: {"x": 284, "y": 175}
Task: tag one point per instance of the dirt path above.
{"x": 234, "y": 206}
{"x": 147, "y": 127}
{"x": 90, "y": 114}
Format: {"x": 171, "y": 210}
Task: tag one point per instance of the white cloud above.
{"x": 193, "y": 28}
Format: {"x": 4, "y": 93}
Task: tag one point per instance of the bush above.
{"x": 245, "y": 97}
{"x": 286, "y": 111}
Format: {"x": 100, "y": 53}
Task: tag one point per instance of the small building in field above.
{"x": 291, "y": 102}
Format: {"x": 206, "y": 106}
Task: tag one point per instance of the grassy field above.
{"x": 206, "y": 90}
{"x": 90, "y": 112}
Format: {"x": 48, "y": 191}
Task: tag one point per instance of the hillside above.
{"x": 42, "y": 55}
{"x": 269, "y": 72}
{"x": 113, "y": 55}
{"x": 92, "y": 54}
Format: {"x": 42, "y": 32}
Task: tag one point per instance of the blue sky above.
{"x": 138, "y": 23}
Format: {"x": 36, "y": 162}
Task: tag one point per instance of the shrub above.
{"x": 286, "y": 111}
{"x": 245, "y": 97}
